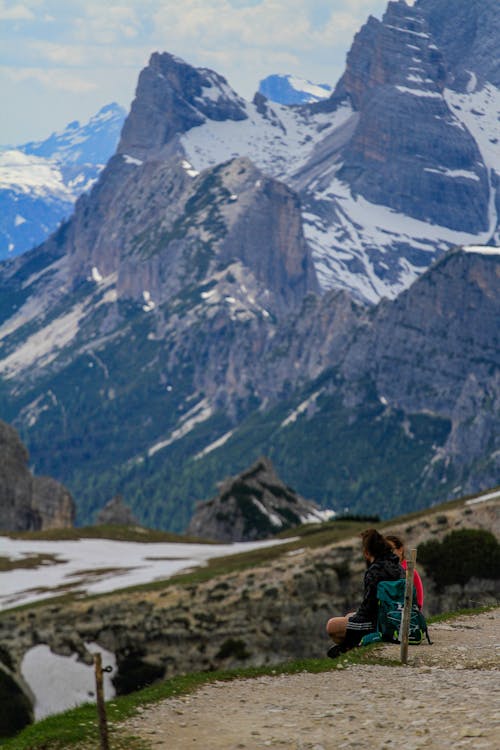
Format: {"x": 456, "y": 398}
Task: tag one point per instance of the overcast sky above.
{"x": 61, "y": 60}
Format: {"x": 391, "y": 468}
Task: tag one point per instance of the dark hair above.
{"x": 374, "y": 543}
{"x": 395, "y": 540}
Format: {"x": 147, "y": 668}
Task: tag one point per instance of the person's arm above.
{"x": 369, "y": 603}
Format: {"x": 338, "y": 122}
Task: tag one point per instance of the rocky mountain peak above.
{"x": 253, "y": 505}
{"x": 467, "y": 31}
{"x": 395, "y": 76}
{"x": 399, "y": 50}
{"x": 171, "y": 98}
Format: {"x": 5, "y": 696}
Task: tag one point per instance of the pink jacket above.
{"x": 417, "y": 581}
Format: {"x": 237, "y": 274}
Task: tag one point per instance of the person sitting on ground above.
{"x": 399, "y": 548}
{"x": 382, "y": 565}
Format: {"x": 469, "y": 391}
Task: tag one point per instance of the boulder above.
{"x": 115, "y": 512}
{"x": 29, "y": 503}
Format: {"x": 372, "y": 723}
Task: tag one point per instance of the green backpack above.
{"x": 391, "y": 597}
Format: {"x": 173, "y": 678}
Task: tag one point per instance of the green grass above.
{"x": 114, "y": 532}
{"x": 78, "y": 727}
{"x": 445, "y": 616}
{"x": 33, "y": 561}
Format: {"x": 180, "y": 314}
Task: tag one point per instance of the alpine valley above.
{"x": 318, "y": 284}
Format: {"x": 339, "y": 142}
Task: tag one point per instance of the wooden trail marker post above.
{"x": 405, "y": 621}
{"x": 101, "y": 708}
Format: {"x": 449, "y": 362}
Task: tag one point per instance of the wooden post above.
{"x": 405, "y": 620}
{"x": 101, "y": 708}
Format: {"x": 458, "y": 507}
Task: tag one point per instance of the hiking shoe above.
{"x": 334, "y": 651}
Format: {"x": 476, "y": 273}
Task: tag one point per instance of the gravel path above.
{"x": 447, "y": 697}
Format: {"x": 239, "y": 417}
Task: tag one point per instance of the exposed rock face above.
{"x": 117, "y": 513}
{"x": 28, "y": 503}
{"x": 395, "y": 77}
{"x": 16, "y": 508}
{"x": 173, "y": 97}
{"x": 54, "y": 503}
{"x": 437, "y": 347}
{"x": 161, "y": 230}
{"x": 254, "y": 505}
{"x": 450, "y": 315}
{"x": 467, "y": 32}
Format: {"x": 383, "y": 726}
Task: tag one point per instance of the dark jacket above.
{"x": 385, "y": 568}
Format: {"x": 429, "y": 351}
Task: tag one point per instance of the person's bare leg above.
{"x": 336, "y": 627}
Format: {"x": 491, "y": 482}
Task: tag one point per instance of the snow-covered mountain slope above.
{"x": 289, "y": 89}
{"x": 40, "y": 181}
{"x": 92, "y": 142}
{"x": 34, "y": 197}
{"x": 394, "y": 169}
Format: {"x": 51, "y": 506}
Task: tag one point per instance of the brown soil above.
{"x": 448, "y": 696}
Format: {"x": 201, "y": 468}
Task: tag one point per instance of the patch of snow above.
{"x": 148, "y": 302}
{"x": 313, "y": 89}
{"x": 214, "y": 89}
{"x": 479, "y": 113}
{"x": 454, "y": 173}
{"x": 260, "y": 140}
{"x": 213, "y": 446}
{"x": 361, "y": 225}
{"x": 301, "y": 408}
{"x": 482, "y": 249}
{"x": 132, "y": 160}
{"x": 96, "y": 276}
{"x": 483, "y": 498}
{"x": 484, "y": 129}
{"x": 419, "y": 92}
{"x": 471, "y": 83}
{"x": 189, "y": 168}
{"x": 274, "y": 519}
{"x": 407, "y": 31}
{"x": 62, "y": 682}
{"x": 97, "y": 566}
{"x": 199, "y": 413}
{"x": 319, "y": 516}
{"x": 33, "y": 175}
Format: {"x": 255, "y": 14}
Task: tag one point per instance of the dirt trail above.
{"x": 447, "y": 697}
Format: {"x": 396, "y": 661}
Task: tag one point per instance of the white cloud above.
{"x": 60, "y": 80}
{"x": 272, "y": 23}
{"x": 9, "y": 12}
{"x": 105, "y": 24}
{"x": 101, "y": 47}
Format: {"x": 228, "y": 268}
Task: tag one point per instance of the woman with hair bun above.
{"x": 382, "y": 565}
